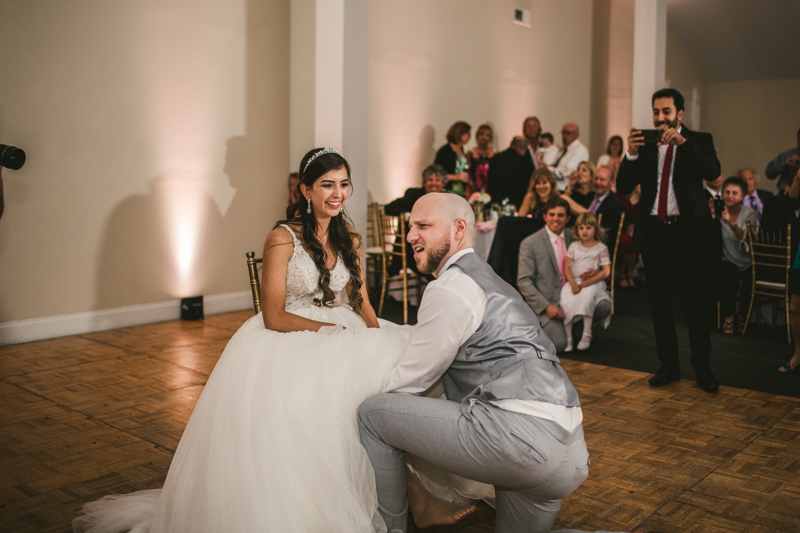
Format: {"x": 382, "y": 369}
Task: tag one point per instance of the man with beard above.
{"x": 673, "y": 227}
{"x": 511, "y": 418}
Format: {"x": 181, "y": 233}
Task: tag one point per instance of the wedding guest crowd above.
{"x": 707, "y": 252}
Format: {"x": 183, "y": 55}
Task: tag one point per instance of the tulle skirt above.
{"x": 272, "y": 444}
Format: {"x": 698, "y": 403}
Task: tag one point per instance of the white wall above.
{"x": 435, "y": 62}
{"x": 752, "y": 121}
{"x": 157, "y": 142}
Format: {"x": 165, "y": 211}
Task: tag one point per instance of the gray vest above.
{"x": 508, "y": 356}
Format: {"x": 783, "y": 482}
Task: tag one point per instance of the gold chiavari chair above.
{"x": 374, "y": 256}
{"x": 613, "y": 276}
{"x": 255, "y": 284}
{"x": 770, "y": 252}
{"x": 392, "y": 234}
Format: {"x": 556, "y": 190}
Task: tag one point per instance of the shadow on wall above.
{"x": 158, "y": 246}
{"x": 421, "y": 156}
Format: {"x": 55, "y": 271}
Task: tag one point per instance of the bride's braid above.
{"x": 340, "y": 232}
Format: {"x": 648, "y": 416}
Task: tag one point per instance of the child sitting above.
{"x": 579, "y": 297}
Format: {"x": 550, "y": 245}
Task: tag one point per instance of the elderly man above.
{"x": 785, "y": 166}
{"x": 512, "y": 418}
{"x": 754, "y": 198}
{"x": 510, "y": 172}
{"x": 541, "y": 274}
{"x": 572, "y": 153}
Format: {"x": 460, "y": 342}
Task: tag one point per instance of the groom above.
{"x": 512, "y": 417}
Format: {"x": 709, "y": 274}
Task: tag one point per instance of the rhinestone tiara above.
{"x": 321, "y": 152}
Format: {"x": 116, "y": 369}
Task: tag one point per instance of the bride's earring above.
{"x": 309, "y": 206}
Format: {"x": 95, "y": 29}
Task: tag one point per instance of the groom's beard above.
{"x": 435, "y": 256}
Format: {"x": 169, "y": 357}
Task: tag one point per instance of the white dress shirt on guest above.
{"x": 451, "y": 311}
{"x": 576, "y": 152}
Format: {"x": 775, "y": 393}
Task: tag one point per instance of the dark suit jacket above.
{"x": 405, "y": 203}
{"x": 779, "y": 211}
{"x": 695, "y": 161}
{"x": 509, "y": 176}
{"x": 611, "y": 209}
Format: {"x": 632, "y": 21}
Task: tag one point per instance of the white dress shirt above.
{"x": 451, "y": 311}
{"x": 576, "y": 153}
{"x": 672, "y": 202}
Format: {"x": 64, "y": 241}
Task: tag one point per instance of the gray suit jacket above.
{"x": 538, "y": 277}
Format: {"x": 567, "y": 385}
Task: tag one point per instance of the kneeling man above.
{"x": 512, "y": 418}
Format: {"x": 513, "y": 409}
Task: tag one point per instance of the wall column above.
{"x": 329, "y": 81}
{"x": 649, "y": 57}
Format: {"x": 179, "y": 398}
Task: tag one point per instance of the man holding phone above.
{"x": 674, "y": 226}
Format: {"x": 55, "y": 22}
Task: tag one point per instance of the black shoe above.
{"x": 707, "y": 381}
{"x": 665, "y": 375}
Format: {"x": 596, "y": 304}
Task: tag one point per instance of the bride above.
{"x": 272, "y": 443}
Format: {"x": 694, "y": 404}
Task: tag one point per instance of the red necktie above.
{"x": 662, "y": 191}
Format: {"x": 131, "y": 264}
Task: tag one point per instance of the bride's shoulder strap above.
{"x": 295, "y": 240}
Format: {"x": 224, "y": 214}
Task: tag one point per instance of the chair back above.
{"x": 255, "y": 284}
{"x": 770, "y": 252}
{"x": 392, "y": 235}
{"x": 613, "y": 275}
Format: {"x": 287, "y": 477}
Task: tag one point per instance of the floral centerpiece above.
{"x": 479, "y": 200}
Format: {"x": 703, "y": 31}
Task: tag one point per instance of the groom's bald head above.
{"x": 441, "y": 225}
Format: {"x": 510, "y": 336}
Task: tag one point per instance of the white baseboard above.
{"x": 77, "y": 323}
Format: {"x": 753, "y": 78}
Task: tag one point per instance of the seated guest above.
{"x": 294, "y": 191}
{"x": 579, "y": 190}
{"x": 548, "y": 151}
{"x": 613, "y": 156}
{"x": 785, "y": 165}
{"x": 479, "y": 156}
{"x": 451, "y": 157}
{"x": 736, "y": 269}
{"x": 572, "y": 153}
{"x": 753, "y": 198}
{"x": 510, "y": 172}
{"x": 783, "y": 209}
{"x": 434, "y": 179}
{"x": 542, "y": 187}
{"x": 540, "y": 273}
{"x": 602, "y": 201}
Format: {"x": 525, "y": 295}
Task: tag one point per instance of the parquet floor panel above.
{"x": 102, "y": 413}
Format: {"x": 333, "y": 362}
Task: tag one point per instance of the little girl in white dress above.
{"x": 580, "y": 297}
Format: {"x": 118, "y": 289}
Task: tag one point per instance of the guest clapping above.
{"x": 736, "y": 266}
{"x": 541, "y": 189}
{"x": 613, "y": 156}
{"x": 451, "y": 157}
{"x": 479, "y": 156}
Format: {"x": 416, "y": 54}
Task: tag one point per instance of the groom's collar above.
{"x": 458, "y": 255}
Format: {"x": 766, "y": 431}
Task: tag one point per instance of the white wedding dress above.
{"x": 272, "y": 444}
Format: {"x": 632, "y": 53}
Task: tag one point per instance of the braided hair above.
{"x": 340, "y": 231}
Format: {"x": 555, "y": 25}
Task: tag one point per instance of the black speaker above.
{"x": 192, "y": 308}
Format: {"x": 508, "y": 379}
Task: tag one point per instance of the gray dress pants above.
{"x": 532, "y": 463}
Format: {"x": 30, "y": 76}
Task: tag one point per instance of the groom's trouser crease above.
{"x": 532, "y": 463}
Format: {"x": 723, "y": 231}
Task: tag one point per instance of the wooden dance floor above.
{"x": 89, "y": 415}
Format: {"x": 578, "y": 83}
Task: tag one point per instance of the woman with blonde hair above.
{"x": 541, "y": 189}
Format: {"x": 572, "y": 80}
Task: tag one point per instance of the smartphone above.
{"x": 651, "y": 136}
{"x": 719, "y": 206}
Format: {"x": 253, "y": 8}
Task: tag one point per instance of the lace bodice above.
{"x": 302, "y": 277}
